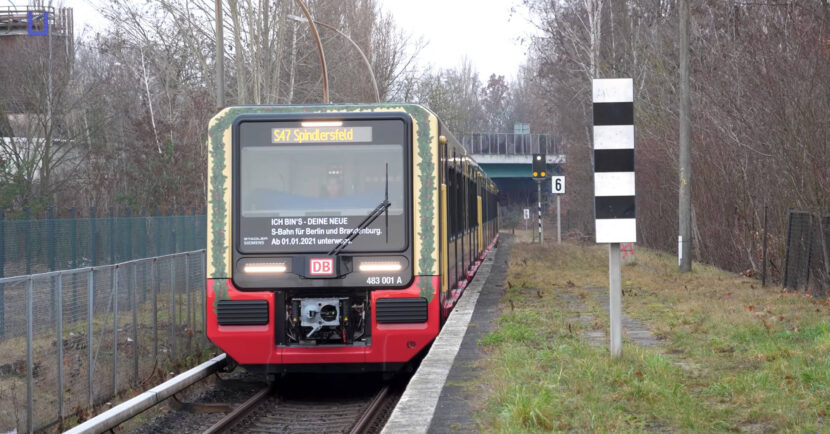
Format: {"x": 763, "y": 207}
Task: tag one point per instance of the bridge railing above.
{"x": 510, "y": 144}
{"x": 78, "y": 338}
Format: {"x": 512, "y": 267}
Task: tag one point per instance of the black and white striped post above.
{"x": 539, "y": 175}
{"x": 614, "y": 198}
{"x": 539, "y": 208}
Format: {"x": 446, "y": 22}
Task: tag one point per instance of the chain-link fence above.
{"x": 808, "y": 253}
{"x": 512, "y": 218}
{"x": 30, "y": 246}
{"x": 37, "y": 245}
{"x": 77, "y": 338}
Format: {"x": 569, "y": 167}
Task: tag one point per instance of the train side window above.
{"x": 459, "y": 201}
{"x": 476, "y": 194}
{"x": 466, "y": 198}
{"x": 471, "y": 200}
{"x": 451, "y": 205}
{"x": 467, "y": 203}
{"x": 485, "y": 204}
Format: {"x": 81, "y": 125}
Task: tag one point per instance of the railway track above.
{"x": 240, "y": 403}
{"x": 288, "y": 409}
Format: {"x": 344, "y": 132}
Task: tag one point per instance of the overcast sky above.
{"x": 488, "y": 32}
{"x": 491, "y": 33}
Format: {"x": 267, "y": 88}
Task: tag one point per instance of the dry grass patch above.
{"x": 735, "y": 356}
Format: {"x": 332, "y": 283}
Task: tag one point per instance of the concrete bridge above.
{"x": 506, "y": 158}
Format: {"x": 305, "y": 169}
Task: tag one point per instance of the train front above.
{"x": 321, "y": 245}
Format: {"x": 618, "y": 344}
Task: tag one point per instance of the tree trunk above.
{"x": 239, "y": 56}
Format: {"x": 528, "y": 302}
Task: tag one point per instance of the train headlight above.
{"x": 265, "y": 267}
{"x": 380, "y": 266}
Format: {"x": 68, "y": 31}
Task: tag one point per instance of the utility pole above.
{"x": 220, "y": 58}
{"x": 684, "y": 239}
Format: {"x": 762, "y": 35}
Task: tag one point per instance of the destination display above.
{"x": 321, "y": 135}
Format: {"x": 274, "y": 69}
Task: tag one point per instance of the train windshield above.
{"x": 307, "y": 193}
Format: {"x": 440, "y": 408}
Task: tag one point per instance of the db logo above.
{"x": 321, "y": 267}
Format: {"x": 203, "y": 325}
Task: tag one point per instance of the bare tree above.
{"x": 760, "y": 82}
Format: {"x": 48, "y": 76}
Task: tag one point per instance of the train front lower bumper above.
{"x": 390, "y": 345}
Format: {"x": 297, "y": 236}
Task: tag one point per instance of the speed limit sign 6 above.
{"x": 557, "y": 184}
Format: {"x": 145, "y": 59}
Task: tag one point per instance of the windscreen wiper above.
{"x": 380, "y": 209}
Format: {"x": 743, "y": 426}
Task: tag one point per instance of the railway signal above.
{"x": 539, "y": 170}
{"x": 539, "y": 175}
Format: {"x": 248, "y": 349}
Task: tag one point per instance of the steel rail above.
{"x": 238, "y": 412}
{"x": 126, "y": 410}
{"x": 370, "y": 412}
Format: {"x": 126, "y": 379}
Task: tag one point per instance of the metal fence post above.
{"x": 183, "y": 220}
{"x": 172, "y": 226}
{"x": 187, "y": 294}
{"x": 112, "y": 236}
{"x": 115, "y": 330}
{"x": 90, "y": 290}
{"x": 50, "y": 240}
{"x": 73, "y": 232}
{"x": 2, "y": 274}
{"x": 182, "y": 233}
{"x": 145, "y": 234}
{"x": 59, "y": 318}
{"x": 130, "y": 235}
{"x": 121, "y": 232}
{"x": 156, "y": 284}
{"x": 50, "y": 255}
{"x": 157, "y": 231}
{"x": 30, "y": 399}
{"x": 128, "y": 253}
{"x": 172, "y": 308}
{"x": 92, "y": 238}
{"x": 27, "y": 234}
{"x": 181, "y": 230}
{"x": 195, "y": 226}
{"x": 135, "y": 324}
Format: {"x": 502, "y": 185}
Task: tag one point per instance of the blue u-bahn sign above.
{"x": 33, "y": 31}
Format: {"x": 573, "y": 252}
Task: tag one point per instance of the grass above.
{"x": 733, "y": 356}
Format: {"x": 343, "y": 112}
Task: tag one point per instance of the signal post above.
{"x": 539, "y": 175}
{"x": 557, "y": 184}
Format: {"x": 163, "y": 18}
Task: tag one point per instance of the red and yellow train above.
{"x": 339, "y": 236}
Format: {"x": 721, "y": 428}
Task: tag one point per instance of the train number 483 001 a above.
{"x": 385, "y": 280}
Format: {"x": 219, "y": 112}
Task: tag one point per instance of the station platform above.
{"x": 438, "y": 397}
